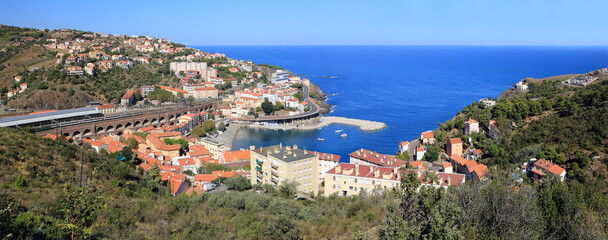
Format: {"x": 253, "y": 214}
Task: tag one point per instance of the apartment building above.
{"x": 349, "y": 179}
{"x": 276, "y": 164}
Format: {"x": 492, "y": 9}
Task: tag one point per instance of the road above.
{"x": 314, "y": 109}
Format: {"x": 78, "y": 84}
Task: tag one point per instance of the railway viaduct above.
{"x": 116, "y": 126}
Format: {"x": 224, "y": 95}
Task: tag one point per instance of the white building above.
{"x": 280, "y": 76}
{"x": 201, "y": 67}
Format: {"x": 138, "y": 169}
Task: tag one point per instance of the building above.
{"x": 471, "y": 126}
{"x": 276, "y": 164}
{"x": 404, "y": 146}
{"x": 538, "y": 169}
{"x": 327, "y": 161}
{"x": 108, "y": 108}
{"x": 201, "y": 67}
{"x": 175, "y": 91}
{"x": 205, "y": 92}
{"x": 156, "y": 143}
{"x": 145, "y": 90}
{"x": 420, "y": 151}
{"x": 128, "y": 99}
{"x": 75, "y": 71}
{"x": 235, "y": 157}
{"x": 368, "y": 157}
{"x": 492, "y": 129}
{"x": 454, "y": 146}
{"x": 427, "y": 137}
{"x": 279, "y": 77}
{"x": 487, "y": 102}
{"x": 349, "y": 179}
{"x": 215, "y": 147}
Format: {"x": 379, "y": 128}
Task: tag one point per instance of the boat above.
{"x": 343, "y": 135}
{"x": 321, "y": 139}
{"x": 339, "y": 130}
{"x": 329, "y": 77}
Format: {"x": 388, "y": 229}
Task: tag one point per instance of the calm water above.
{"x": 410, "y": 89}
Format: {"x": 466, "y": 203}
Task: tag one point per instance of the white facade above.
{"x": 279, "y": 77}
{"x": 201, "y": 67}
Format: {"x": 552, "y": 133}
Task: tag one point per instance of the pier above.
{"x": 364, "y": 125}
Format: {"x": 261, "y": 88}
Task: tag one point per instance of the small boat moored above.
{"x": 321, "y": 139}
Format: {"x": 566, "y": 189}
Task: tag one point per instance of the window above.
{"x": 350, "y": 188}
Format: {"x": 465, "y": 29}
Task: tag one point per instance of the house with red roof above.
{"x": 427, "y": 137}
{"x": 492, "y": 129}
{"x": 128, "y": 99}
{"x": 471, "y": 126}
{"x": 404, "y": 146}
{"x": 539, "y": 169}
{"x": 347, "y": 179}
{"x": 420, "y": 151}
{"x": 367, "y": 157}
{"x": 454, "y": 146}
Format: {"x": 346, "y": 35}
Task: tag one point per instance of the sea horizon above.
{"x": 420, "y": 85}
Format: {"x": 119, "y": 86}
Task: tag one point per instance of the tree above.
{"x": 288, "y": 188}
{"x": 132, "y": 142}
{"x": 208, "y": 126}
{"x": 168, "y": 191}
{"x": 238, "y": 183}
{"x": 459, "y": 122}
{"x": 221, "y": 126}
{"x": 283, "y": 227}
{"x": 278, "y": 106}
{"x": 267, "y": 107}
{"x": 197, "y": 132}
{"x": 404, "y": 156}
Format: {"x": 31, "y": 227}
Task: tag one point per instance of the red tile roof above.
{"x": 454, "y": 140}
{"x": 367, "y": 171}
{"x": 236, "y": 156}
{"x": 326, "y": 156}
{"x": 377, "y": 158}
{"x": 427, "y": 135}
{"x": 458, "y": 159}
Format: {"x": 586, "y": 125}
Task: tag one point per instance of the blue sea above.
{"x": 410, "y": 88}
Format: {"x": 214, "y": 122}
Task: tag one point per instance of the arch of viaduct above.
{"x": 118, "y": 125}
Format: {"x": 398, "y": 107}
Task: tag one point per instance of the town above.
{"x": 186, "y": 147}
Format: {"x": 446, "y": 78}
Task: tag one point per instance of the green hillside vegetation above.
{"x": 43, "y": 196}
{"x": 564, "y": 124}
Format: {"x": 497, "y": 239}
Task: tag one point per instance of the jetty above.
{"x": 364, "y": 125}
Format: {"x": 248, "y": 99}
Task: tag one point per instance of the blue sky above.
{"x": 326, "y": 22}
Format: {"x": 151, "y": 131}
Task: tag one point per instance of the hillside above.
{"x": 564, "y": 123}
{"x": 43, "y": 59}
{"x": 43, "y": 197}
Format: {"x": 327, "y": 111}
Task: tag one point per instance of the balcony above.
{"x": 259, "y": 162}
{"x": 275, "y": 181}
{"x": 258, "y": 168}
{"x": 274, "y": 166}
{"x": 275, "y": 173}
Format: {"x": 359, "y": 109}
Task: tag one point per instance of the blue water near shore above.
{"x": 409, "y": 88}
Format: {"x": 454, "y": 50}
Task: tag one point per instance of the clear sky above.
{"x": 328, "y": 22}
